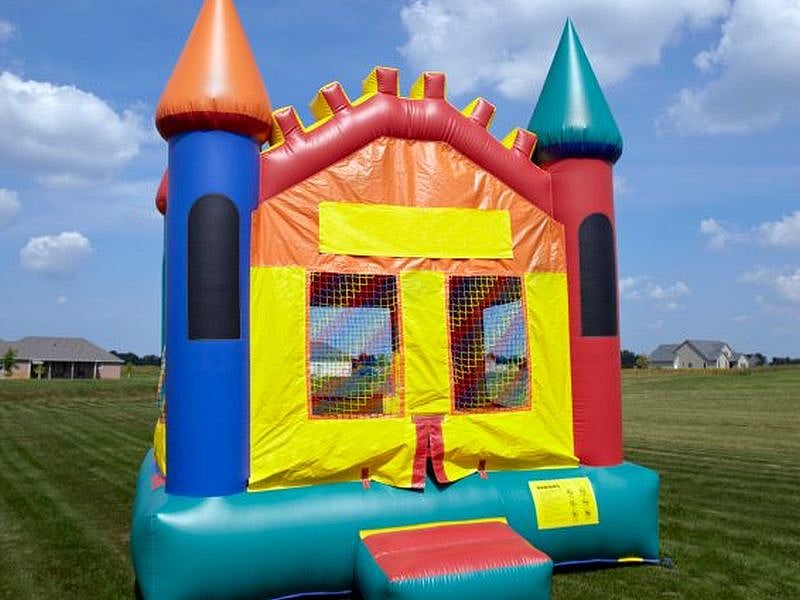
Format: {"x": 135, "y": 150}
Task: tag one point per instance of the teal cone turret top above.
{"x": 572, "y": 118}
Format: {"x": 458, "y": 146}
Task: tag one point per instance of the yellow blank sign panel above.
{"x": 564, "y": 502}
{"x": 406, "y": 231}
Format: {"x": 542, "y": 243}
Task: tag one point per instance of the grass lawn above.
{"x": 727, "y": 447}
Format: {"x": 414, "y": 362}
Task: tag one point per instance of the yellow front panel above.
{"x": 424, "y": 315}
{"x": 405, "y": 231}
{"x": 287, "y": 448}
{"x": 540, "y": 436}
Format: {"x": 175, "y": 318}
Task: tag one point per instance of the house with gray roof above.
{"x": 664, "y": 356}
{"x": 61, "y": 358}
{"x": 698, "y": 354}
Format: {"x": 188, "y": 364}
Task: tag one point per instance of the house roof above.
{"x": 708, "y": 349}
{"x": 664, "y": 353}
{"x": 59, "y": 349}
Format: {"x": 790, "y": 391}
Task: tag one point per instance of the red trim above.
{"x": 420, "y": 455}
{"x": 170, "y": 125}
{"x": 161, "y": 194}
{"x": 436, "y": 442}
{"x": 430, "y": 444}
{"x": 386, "y": 115}
{"x": 365, "y": 477}
{"x": 451, "y": 549}
{"x": 156, "y": 481}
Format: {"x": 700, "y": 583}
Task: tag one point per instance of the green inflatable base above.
{"x": 286, "y": 543}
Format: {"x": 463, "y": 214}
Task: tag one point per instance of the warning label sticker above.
{"x": 564, "y": 502}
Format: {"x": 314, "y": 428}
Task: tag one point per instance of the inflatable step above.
{"x": 469, "y": 560}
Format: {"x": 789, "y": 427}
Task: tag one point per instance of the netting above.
{"x": 488, "y": 344}
{"x": 354, "y": 345}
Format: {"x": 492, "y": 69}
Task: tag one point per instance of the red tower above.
{"x": 578, "y": 144}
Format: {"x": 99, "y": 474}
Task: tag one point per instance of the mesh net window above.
{"x": 354, "y": 351}
{"x": 488, "y": 344}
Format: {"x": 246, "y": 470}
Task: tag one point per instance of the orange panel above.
{"x": 403, "y": 173}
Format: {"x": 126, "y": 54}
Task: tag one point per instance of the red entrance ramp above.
{"x": 469, "y": 560}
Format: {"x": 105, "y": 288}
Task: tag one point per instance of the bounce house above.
{"x": 392, "y": 343}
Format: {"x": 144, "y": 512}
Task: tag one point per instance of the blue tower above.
{"x": 215, "y": 114}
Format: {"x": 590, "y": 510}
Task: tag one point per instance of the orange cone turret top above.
{"x": 216, "y": 83}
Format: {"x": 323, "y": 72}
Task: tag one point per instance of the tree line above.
{"x": 148, "y": 360}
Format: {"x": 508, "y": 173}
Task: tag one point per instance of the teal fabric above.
{"x": 524, "y": 582}
{"x": 572, "y": 118}
{"x": 283, "y": 542}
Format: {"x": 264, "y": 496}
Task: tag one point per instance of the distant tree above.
{"x": 9, "y": 359}
{"x": 628, "y": 359}
{"x": 762, "y": 360}
{"x": 785, "y": 360}
{"x": 148, "y": 360}
{"x": 642, "y": 361}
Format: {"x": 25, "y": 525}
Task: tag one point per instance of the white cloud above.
{"x": 784, "y": 233}
{"x": 781, "y": 234}
{"x": 788, "y": 286}
{"x": 718, "y": 234}
{"x": 662, "y": 297}
{"x": 498, "y": 44}
{"x": 60, "y": 254}
{"x": 7, "y": 30}
{"x": 753, "y": 67}
{"x": 621, "y": 185}
{"x": 785, "y": 281}
{"x": 9, "y": 207}
{"x": 61, "y": 300}
{"x": 62, "y": 134}
{"x": 627, "y": 288}
{"x": 676, "y": 290}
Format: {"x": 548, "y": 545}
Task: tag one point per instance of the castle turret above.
{"x": 215, "y": 114}
{"x": 578, "y": 144}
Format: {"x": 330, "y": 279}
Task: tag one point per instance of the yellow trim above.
{"x": 470, "y": 108}
{"x": 427, "y": 368}
{"x": 510, "y": 138}
{"x": 369, "y": 86}
{"x": 630, "y": 559}
{"x": 160, "y": 445}
{"x": 363, "y": 98}
{"x": 417, "y": 91}
{"x": 365, "y": 533}
{"x": 316, "y": 124}
{"x": 405, "y": 231}
{"x": 319, "y": 105}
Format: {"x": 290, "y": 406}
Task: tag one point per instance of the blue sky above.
{"x": 705, "y": 92}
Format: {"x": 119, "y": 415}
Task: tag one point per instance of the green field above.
{"x": 727, "y": 447}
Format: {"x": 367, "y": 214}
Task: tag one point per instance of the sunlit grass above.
{"x": 726, "y": 444}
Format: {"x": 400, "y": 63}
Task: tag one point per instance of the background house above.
{"x": 61, "y": 358}
{"x": 701, "y": 354}
{"x": 664, "y": 356}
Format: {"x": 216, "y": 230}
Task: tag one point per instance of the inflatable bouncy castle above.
{"x": 392, "y": 341}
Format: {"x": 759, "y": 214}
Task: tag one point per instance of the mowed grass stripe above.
{"x": 726, "y": 446}
{"x": 69, "y": 457}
